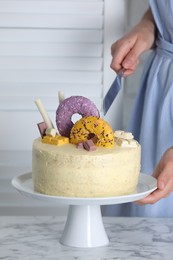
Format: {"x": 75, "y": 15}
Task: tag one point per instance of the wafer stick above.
{"x": 43, "y": 113}
{"x": 61, "y": 96}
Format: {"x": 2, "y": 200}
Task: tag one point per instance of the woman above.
{"x": 152, "y": 118}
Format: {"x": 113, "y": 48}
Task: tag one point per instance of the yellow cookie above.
{"x": 92, "y": 126}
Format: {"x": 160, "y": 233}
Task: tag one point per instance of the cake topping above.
{"x": 42, "y": 128}
{"x": 51, "y": 132}
{"x": 44, "y": 113}
{"x": 124, "y": 139}
{"x": 61, "y": 96}
{"x": 46, "y": 127}
{"x": 89, "y": 145}
{"x": 87, "y": 133}
{"x": 80, "y": 146}
{"x": 90, "y": 126}
{"x": 123, "y": 134}
{"x": 70, "y": 106}
{"x": 57, "y": 140}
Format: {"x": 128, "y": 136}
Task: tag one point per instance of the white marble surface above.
{"x": 26, "y": 238}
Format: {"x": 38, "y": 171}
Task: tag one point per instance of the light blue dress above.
{"x": 152, "y": 117}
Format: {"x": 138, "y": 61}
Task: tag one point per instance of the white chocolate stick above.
{"x": 51, "y": 132}
{"x": 61, "y": 96}
{"x": 44, "y": 113}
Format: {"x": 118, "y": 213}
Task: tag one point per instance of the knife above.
{"x": 112, "y": 92}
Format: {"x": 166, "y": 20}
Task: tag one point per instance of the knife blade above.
{"x": 112, "y": 92}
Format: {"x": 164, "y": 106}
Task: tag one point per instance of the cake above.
{"x": 84, "y": 163}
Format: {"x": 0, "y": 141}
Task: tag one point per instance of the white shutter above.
{"x": 47, "y": 46}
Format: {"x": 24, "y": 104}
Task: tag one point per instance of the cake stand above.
{"x": 84, "y": 226}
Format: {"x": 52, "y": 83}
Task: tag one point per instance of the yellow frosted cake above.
{"x": 86, "y": 159}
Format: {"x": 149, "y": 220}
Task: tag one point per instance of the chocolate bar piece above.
{"x": 42, "y": 128}
{"x": 89, "y": 145}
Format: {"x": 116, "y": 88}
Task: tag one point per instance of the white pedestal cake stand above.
{"x": 84, "y": 226}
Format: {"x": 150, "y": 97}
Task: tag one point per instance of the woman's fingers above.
{"x": 152, "y": 198}
{"x": 126, "y": 58}
{"x": 119, "y": 50}
{"x": 165, "y": 178}
{"x": 164, "y": 175}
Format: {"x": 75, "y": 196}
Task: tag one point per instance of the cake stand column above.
{"x": 84, "y": 227}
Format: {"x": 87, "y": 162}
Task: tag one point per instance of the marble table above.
{"x": 37, "y": 238}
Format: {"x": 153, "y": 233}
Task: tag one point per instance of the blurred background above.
{"x": 48, "y": 46}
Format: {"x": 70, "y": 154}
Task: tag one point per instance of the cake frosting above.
{"x": 88, "y": 166}
{"x": 68, "y": 171}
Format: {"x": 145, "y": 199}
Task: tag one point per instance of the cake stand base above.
{"x": 84, "y": 227}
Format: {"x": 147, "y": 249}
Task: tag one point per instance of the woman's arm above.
{"x": 126, "y": 51}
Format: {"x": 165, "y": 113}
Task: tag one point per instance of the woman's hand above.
{"x": 126, "y": 51}
{"x": 164, "y": 175}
